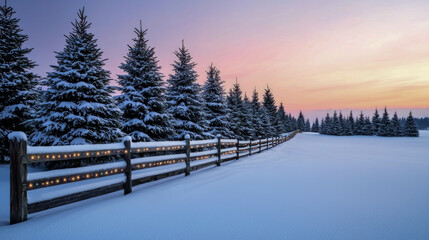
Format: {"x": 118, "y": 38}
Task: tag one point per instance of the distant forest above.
{"x": 422, "y": 123}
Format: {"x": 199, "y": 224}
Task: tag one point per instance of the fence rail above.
{"x": 172, "y": 158}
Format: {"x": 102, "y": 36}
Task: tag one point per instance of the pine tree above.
{"x": 281, "y": 119}
{"x": 360, "y": 123}
{"x": 315, "y": 127}
{"x": 17, "y": 84}
{"x": 77, "y": 107}
{"x": 341, "y": 128}
{"x": 376, "y": 122}
{"x": 410, "y": 128}
{"x": 143, "y": 102}
{"x": 368, "y": 127}
{"x": 256, "y": 115}
{"x": 347, "y": 127}
{"x": 247, "y": 130}
{"x": 395, "y": 126}
{"x": 335, "y": 125}
{"x": 235, "y": 104}
{"x": 307, "y": 127}
{"x": 301, "y": 122}
{"x": 184, "y": 98}
{"x": 384, "y": 126}
{"x": 328, "y": 125}
{"x": 269, "y": 103}
{"x": 352, "y": 123}
{"x": 322, "y": 129}
{"x": 267, "y": 126}
{"x": 217, "y": 110}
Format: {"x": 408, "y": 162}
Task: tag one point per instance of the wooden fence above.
{"x": 137, "y": 167}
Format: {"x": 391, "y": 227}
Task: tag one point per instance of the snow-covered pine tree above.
{"x": 341, "y": 124}
{"x": 256, "y": 115}
{"x": 376, "y": 122}
{"x": 384, "y": 126}
{"x": 217, "y": 110}
{"x": 301, "y": 122}
{"x": 235, "y": 104}
{"x": 270, "y": 104}
{"x": 395, "y": 126}
{"x": 335, "y": 125}
{"x": 315, "y": 127}
{"x": 307, "y": 127}
{"x": 186, "y": 104}
{"x": 143, "y": 101}
{"x": 267, "y": 126}
{"x": 322, "y": 129}
{"x": 360, "y": 123}
{"x": 368, "y": 127}
{"x": 410, "y": 127}
{"x": 78, "y": 107}
{"x": 328, "y": 125}
{"x": 352, "y": 122}
{"x": 247, "y": 130}
{"x": 347, "y": 127}
{"x": 17, "y": 84}
{"x": 281, "y": 119}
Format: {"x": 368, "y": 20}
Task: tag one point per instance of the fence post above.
{"x": 260, "y": 144}
{"x": 128, "y": 186}
{"x": 219, "y": 153}
{"x": 268, "y": 143}
{"x": 238, "y": 147}
{"x": 250, "y": 146}
{"x": 188, "y": 155}
{"x": 18, "y": 177}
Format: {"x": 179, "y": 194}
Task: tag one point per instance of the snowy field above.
{"x": 312, "y": 187}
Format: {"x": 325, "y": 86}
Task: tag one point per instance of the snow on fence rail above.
{"x": 63, "y": 186}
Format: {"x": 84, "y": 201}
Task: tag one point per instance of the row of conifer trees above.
{"x": 381, "y": 126}
{"x": 76, "y": 105}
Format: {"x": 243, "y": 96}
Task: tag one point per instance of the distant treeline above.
{"x": 422, "y": 123}
{"x": 340, "y": 125}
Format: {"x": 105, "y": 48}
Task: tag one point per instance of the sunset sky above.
{"x": 315, "y": 55}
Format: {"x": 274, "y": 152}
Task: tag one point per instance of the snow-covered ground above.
{"x": 312, "y": 187}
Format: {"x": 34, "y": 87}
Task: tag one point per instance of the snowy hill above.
{"x": 312, "y": 187}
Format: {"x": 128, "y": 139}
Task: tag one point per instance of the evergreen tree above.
{"x": 247, "y": 130}
{"x": 395, "y": 126}
{"x": 347, "y": 127}
{"x": 335, "y": 125}
{"x": 368, "y": 127}
{"x": 384, "y": 126}
{"x": 281, "y": 119}
{"x": 217, "y": 110}
{"x": 184, "y": 98}
{"x": 235, "y": 104}
{"x": 352, "y": 123}
{"x": 17, "y": 84}
{"x": 410, "y": 128}
{"x": 77, "y": 107}
{"x": 315, "y": 127}
{"x": 301, "y": 122}
{"x": 256, "y": 115}
{"x": 322, "y": 129}
{"x": 341, "y": 128}
{"x": 360, "y": 123}
{"x": 307, "y": 127}
{"x": 269, "y": 103}
{"x": 143, "y": 102}
{"x": 267, "y": 126}
{"x": 328, "y": 125}
{"x": 376, "y": 122}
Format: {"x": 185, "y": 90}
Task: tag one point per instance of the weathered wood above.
{"x": 18, "y": 181}
{"x": 268, "y": 143}
{"x": 188, "y": 155}
{"x": 250, "y": 146}
{"x": 219, "y": 153}
{"x": 157, "y": 177}
{"x": 75, "y": 197}
{"x": 128, "y": 169}
{"x": 238, "y": 148}
{"x": 260, "y": 144}
{"x": 197, "y": 167}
